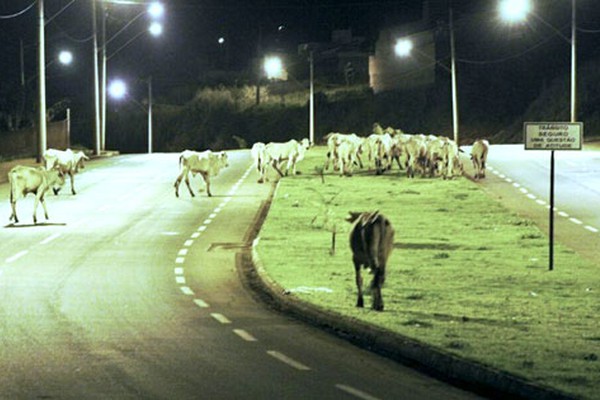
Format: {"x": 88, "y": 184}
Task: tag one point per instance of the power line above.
{"x": 19, "y": 13}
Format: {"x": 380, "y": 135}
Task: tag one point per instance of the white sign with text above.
{"x": 553, "y": 135}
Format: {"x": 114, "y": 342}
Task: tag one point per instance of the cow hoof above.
{"x": 55, "y": 191}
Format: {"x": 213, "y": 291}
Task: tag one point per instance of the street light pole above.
{"x": 42, "y": 133}
{"x": 103, "y": 84}
{"x": 311, "y": 118}
{"x": 453, "y": 73}
{"x": 573, "y": 62}
{"x": 150, "y": 115}
{"x": 97, "y": 147}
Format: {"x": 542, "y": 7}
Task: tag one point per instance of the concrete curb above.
{"x": 461, "y": 372}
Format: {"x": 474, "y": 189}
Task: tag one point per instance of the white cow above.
{"x": 416, "y": 149}
{"x": 479, "y": 153}
{"x": 205, "y": 163}
{"x": 451, "y": 164}
{"x": 24, "y": 180}
{"x": 68, "y": 162}
{"x": 355, "y": 146}
{"x": 277, "y": 153}
{"x": 258, "y": 155}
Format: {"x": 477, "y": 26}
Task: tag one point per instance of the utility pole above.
{"x": 97, "y": 146}
{"x": 42, "y": 133}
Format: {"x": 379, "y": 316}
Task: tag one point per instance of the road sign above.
{"x": 553, "y": 135}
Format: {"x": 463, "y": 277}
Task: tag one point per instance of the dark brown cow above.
{"x": 371, "y": 241}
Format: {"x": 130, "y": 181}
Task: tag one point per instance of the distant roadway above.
{"x": 131, "y": 293}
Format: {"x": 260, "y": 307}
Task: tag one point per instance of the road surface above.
{"x": 128, "y": 292}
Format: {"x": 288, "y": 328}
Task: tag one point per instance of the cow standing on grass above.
{"x": 206, "y": 163}
{"x": 276, "y": 153}
{"x": 24, "y": 180}
{"x": 371, "y": 241}
{"x": 479, "y": 153}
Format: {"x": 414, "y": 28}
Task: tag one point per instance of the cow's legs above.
{"x": 72, "y": 183}
{"x": 206, "y": 178}
{"x": 177, "y": 183}
{"x": 13, "y": 206}
{"x": 376, "y": 285}
{"x": 187, "y": 183}
{"x": 359, "y": 281}
{"x": 274, "y": 164}
{"x": 43, "y": 201}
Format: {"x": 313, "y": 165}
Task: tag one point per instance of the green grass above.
{"x": 466, "y": 275}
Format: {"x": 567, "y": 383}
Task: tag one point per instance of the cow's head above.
{"x": 56, "y": 180}
{"x": 223, "y": 159}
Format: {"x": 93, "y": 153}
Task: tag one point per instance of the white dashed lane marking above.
{"x": 542, "y": 202}
{"x": 186, "y": 290}
{"x": 287, "y": 360}
{"x": 355, "y": 392}
{"x": 50, "y": 238}
{"x": 201, "y": 303}
{"x": 16, "y": 256}
{"x": 245, "y": 335}
{"x": 221, "y": 318}
{"x": 180, "y": 279}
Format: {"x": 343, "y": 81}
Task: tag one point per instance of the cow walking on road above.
{"x": 206, "y": 163}
{"x": 371, "y": 241}
{"x": 24, "y": 180}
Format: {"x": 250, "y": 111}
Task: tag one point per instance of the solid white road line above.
{"x": 201, "y": 303}
{"x": 16, "y": 256}
{"x": 245, "y": 335}
{"x": 355, "y": 392}
{"x": 287, "y": 360}
{"x": 221, "y": 318}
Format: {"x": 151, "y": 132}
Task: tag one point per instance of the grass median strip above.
{"x": 466, "y": 275}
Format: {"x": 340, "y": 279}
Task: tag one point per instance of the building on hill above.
{"x": 343, "y": 59}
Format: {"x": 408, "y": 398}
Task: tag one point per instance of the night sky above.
{"x": 189, "y": 44}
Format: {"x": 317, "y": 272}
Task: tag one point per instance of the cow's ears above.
{"x": 353, "y": 216}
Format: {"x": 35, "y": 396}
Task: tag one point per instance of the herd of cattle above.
{"x": 371, "y": 236}
{"x": 427, "y": 155}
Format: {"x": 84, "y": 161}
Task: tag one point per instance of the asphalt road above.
{"x": 128, "y": 292}
{"x": 520, "y": 179}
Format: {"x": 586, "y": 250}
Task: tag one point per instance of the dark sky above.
{"x": 192, "y": 27}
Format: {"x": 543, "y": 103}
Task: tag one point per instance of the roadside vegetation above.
{"x": 466, "y": 275}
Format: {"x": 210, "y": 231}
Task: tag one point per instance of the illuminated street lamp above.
{"x": 117, "y": 89}
{"x": 403, "y": 47}
{"x": 65, "y": 57}
{"x": 273, "y": 67}
{"x": 514, "y": 10}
